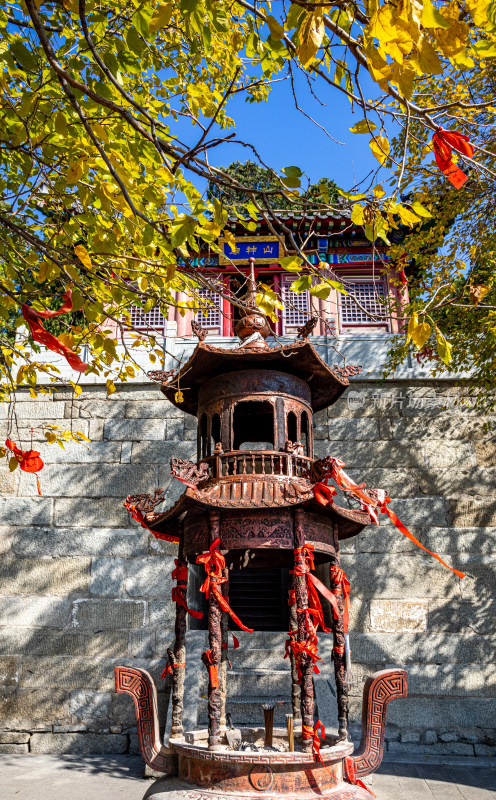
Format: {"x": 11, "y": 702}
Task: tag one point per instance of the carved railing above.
{"x": 259, "y": 462}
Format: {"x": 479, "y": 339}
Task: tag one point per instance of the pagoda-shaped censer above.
{"x": 258, "y": 498}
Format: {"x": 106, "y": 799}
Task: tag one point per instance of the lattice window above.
{"x": 369, "y": 294}
{"x": 296, "y": 307}
{"x": 210, "y": 317}
{"x": 152, "y": 319}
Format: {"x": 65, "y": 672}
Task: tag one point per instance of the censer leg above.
{"x": 224, "y": 656}
{"x": 339, "y": 656}
{"x": 212, "y": 657}
{"x": 178, "y": 670}
{"x": 306, "y": 665}
{"x": 295, "y": 685}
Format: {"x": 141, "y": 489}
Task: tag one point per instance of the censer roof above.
{"x": 299, "y": 358}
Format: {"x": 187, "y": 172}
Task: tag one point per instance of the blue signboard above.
{"x": 262, "y": 250}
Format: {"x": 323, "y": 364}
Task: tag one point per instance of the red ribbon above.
{"x": 28, "y": 460}
{"x": 169, "y": 670}
{"x": 295, "y": 648}
{"x": 214, "y": 563}
{"x": 324, "y": 494}
{"x": 139, "y": 517}
{"x": 398, "y": 523}
{"x": 316, "y": 734}
{"x": 444, "y": 142}
{"x": 349, "y": 768}
{"x": 304, "y": 562}
{"x": 342, "y": 587}
{"x": 345, "y": 482}
{"x": 213, "y": 672}
{"x": 39, "y": 334}
{"x": 180, "y": 573}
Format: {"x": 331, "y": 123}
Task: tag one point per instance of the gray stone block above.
{"x": 86, "y": 513}
{"x": 135, "y": 430}
{"x": 462, "y": 616}
{"x": 27, "y": 511}
{"x": 381, "y": 454}
{"x": 14, "y": 749}
{"x": 78, "y": 743}
{"x": 47, "y": 642}
{"x": 469, "y": 513}
{"x": 441, "y": 712}
{"x": 175, "y": 430}
{"x": 362, "y": 400}
{"x": 44, "y": 576}
{"x": 448, "y": 454}
{"x": 10, "y": 667}
{"x": 104, "y": 409}
{"x": 162, "y": 452}
{"x": 66, "y": 672}
{"x": 28, "y": 709}
{"x": 40, "y": 409}
{"x": 107, "y": 576}
{"x": 484, "y": 749}
{"x": 410, "y": 737}
{"x": 35, "y": 610}
{"x": 159, "y": 547}
{"x": 397, "y": 482}
{"x": 447, "y": 425}
{"x": 147, "y": 409}
{"x": 386, "y": 539}
{"x": 430, "y": 737}
{"x": 149, "y": 577}
{"x": 83, "y": 453}
{"x": 485, "y": 453}
{"x": 14, "y": 738}
{"x": 353, "y": 429}
{"x": 393, "y": 576}
{"x": 397, "y": 615}
{"x": 126, "y": 451}
{"x": 426, "y": 510}
{"x": 460, "y": 540}
{"x": 8, "y": 481}
{"x": 93, "y": 480}
{"x": 79, "y": 542}
{"x": 108, "y": 614}
{"x": 162, "y": 613}
{"x": 142, "y": 643}
{"x": 435, "y": 749}
{"x": 408, "y": 648}
{"x": 6, "y": 538}
{"x": 89, "y": 704}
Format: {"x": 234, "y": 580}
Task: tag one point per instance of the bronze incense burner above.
{"x": 251, "y": 503}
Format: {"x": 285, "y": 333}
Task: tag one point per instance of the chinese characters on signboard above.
{"x": 266, "y": 250}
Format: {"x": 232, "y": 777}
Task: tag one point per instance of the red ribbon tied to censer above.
{"x": 351, "y": 776}
{"x": 39, "y": 334}
{"x": 214, "y": 563}
{"x": 29, "y": 460}
{"x": 369, "y": 504}
{"x": 444, "y": 142}
{"x": 140, "y": 517}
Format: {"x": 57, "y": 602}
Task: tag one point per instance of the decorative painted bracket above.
{"x": 379, "y": 689}
{"x": 138, "y": 683}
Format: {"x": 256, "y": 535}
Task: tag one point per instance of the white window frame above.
{"x": 296, "y": 308}
{"x": 350, "y": 315}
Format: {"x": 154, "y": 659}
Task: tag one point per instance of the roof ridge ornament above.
{"x": 252, "y": 327}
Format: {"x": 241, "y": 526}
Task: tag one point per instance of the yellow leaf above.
{"x": 419, "y": 209}
{"x": 379, "y": 191}
{"x": 429, "y": 60}
{"x": 13, "y": 464}
{"x": 396, "y": 36}
{"x": 364, "y": 126}
{"x": 453, "y": 40}
{"x": 3, "y": 452}
{"x": 161, "y": 17}
{"x": 110, "y": 387}
{"x": 310, "y": 34}
{"x": 478, "y": 10}
{"x": 462, "y": 60}
{"x": 403, "y": 75}
{"x": 179, "y": 397}
{"x": 443, "y": 348}
{"x": 357, "y": 214}
{"x": 412, "y": 324}
{"x": 231, "y": 241}
{"x": 420, "y": 334}
{"x": 83, "y": 256}
{"x": 431, "y": 18}
{"x": 60, "y": 124}
{"x": 75, "y": 172}
{"x": 477, "y": 293}
{"x": 406, "y": 215}
{"x": 377, "y": 66}
{"x": 380, "y": 148}
{"x": 275, "y": 27}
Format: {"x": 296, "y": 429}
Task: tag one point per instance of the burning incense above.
{"x": 268, "y": 710}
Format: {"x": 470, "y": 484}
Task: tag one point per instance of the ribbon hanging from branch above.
{"x": 28, "y": 460}
{"x": 42, "y": 336}
{"x": 444, "y": 142}
{"x": 214, "y": 563}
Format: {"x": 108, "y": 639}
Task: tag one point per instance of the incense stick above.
{"x": 289, "y": 725}
{"x": 268, "y": 709}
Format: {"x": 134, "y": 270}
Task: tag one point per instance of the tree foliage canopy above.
{"x": 99, "y": 189}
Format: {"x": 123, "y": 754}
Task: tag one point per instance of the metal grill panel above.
{"x": 296, "y": 309}
{"x": 210, "y": 317}
{"x": 152, "y": 319}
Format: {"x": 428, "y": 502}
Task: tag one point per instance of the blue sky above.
{"x": 284, "y": 137}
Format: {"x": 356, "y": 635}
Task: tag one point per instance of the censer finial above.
{"x": 252, "y": 328}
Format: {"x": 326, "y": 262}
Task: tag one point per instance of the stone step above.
{"x": 259, "y": 640}
{"x": 248, "y": 658}
{"x": 248, "y": 710}
{"x": 263, "y": 683}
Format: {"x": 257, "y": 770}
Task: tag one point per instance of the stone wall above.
{"x": 83, "y": 589}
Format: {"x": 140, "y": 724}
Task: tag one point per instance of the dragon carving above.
{"x": 189, "y": 473}
{"x": 198, "y": 331}
{"x": 145, "y": 502}
{"x": 306, "y": 329}
{"x": 348, "y": 372}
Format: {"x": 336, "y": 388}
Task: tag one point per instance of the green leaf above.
{"x": 275, "y": 27}
{"x": 60, "y": 123}
{"x": 292, "y": 172}
{"x": 25, "y": 57}
{"x": 321, "y": 290}
{"x": 291, "y": 263}
{"x": 301, "y": 284}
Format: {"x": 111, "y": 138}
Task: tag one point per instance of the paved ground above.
{"x": 33, "y": 777}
